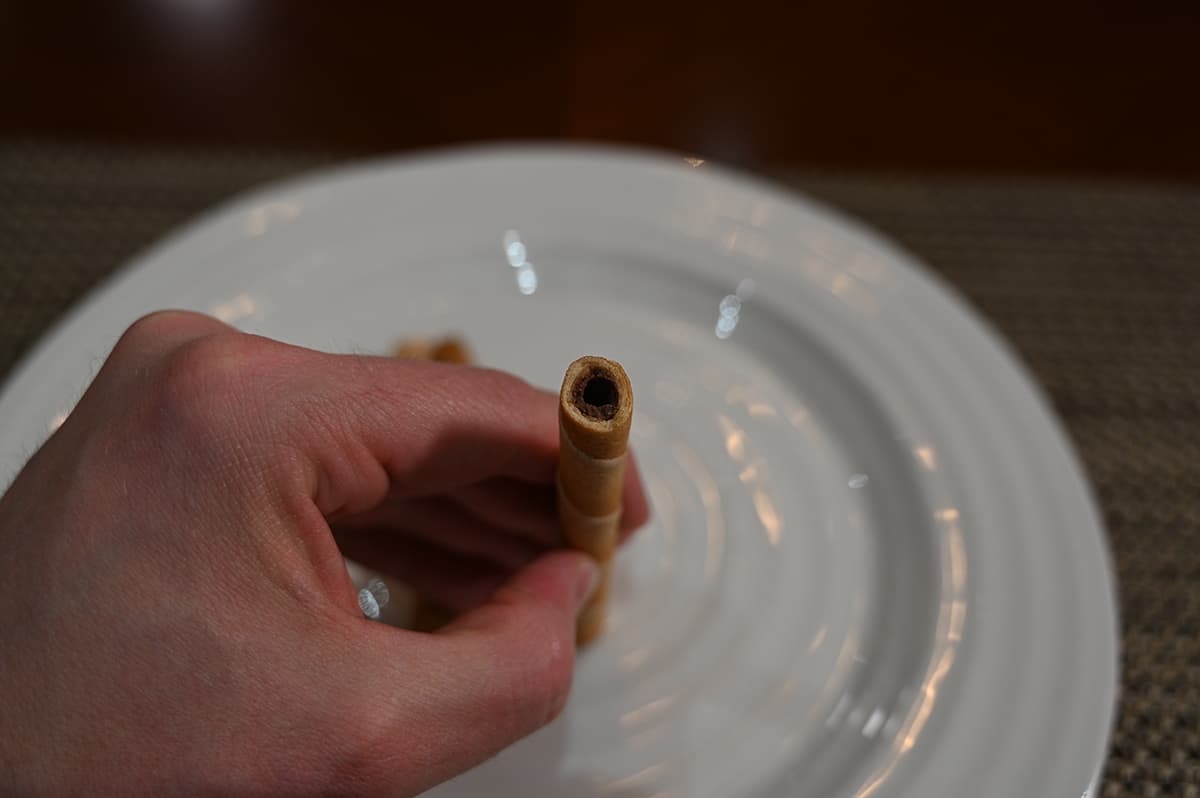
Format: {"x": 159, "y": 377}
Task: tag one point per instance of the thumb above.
{"x": 490, "y": 678}
{"x": 525, "y": 637}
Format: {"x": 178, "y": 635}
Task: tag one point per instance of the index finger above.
{"x": 429, "y": 428}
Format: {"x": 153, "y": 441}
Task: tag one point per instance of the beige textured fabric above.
{"x": 1097, "y": 286}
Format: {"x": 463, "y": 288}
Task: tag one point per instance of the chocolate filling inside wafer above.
{"x": 595, "y": 395}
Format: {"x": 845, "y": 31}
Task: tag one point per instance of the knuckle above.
{"x": 153, "y": 329}
{"x": 202, "y": 383}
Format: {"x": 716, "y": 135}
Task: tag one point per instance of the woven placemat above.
{"x": 1097, "y": 286}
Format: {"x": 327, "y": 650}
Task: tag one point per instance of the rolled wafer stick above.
{"x": 446, "y": 350}
{"x": 595, "y": 408}
{"x": 414, "y": 349}
{"x": 452, "y": 350}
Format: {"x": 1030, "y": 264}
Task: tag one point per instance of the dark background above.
{"x": 1074, "y": 88}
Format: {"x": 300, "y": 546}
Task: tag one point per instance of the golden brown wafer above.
{"x": 452, "y": 350}
{"x": 446, "y": 350}
{"x": 414, "y": 349}
{"x": 595, "y": 409}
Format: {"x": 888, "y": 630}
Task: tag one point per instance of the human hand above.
{"x": 175, "y": 615}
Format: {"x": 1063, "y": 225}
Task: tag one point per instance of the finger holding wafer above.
{"x": 595, "y": 411}
{"x": 429, "y": 616}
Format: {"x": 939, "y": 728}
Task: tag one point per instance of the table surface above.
{"x": 1097, "y": 285}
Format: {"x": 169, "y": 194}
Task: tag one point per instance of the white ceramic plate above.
{"x": 874, "y": 568}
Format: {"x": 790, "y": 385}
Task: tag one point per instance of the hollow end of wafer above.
{"x": 596, "y": 406}
{"x": 596, "y": 395}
